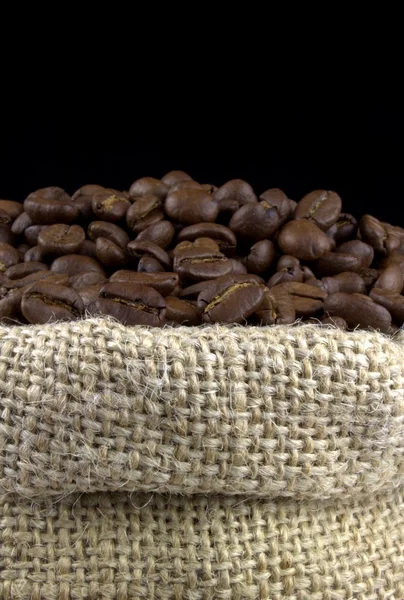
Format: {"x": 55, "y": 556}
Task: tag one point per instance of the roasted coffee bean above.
{"x": 391, "y": 301}
{"x": 148, "y": 186}
{"x": 22, "y": 248}
{"x": 85, "y": 280}
{"x": 61, "y": 239}
{"x": 35, "y": 254}
{"x": 110, "y": 231}
{"x": 321, "y": 206}
{"x": 139, "y": 249}
{"x": 223, "y": 236}
{"x": 391, "y": 278}
{"x": 6, "y": 235}
{"x": 279, "y": 200}
{"x": 276, "y": 308}
{"x": 332, "y": 263}
{"x": 286, "y": 274}
{"x": 173, "y": 177}
{"x": 381, "y": 238}
{"x": 161, "y": 234}
{"x": 32, "y": 232}
{"x": 369, "y": 276}
{"x": 358, "y": 310}
{"x": 110, "y": 255}
{"x": 88, "y": 249}
{"x": 72, "y": 264}
{"x": 11, "y": 209}
{"x": 230, "y": 299}
{"x": 148, "y": 264}
{"x": 237, "y": 267}
{"x": 307, "y": 273}
{"x": 24, "y": 282}
{"x": 144, "y": 211}
{"x": 21, "y": 223}
{"x": 337, "y": 322}
{"x": 9, "y": 256}
{"x": 255, "y": 221}
{"x": 132, "y": 304}
{"x": 328, "y": 284}
{"x": 45, "y": 302}
{"x": 261, "y": 256}
{"x": 191, "y": 292}
{"x": 392, "y": 259}
{"x": 110, "y": 206}
{"x": 23, "y": 269}
{"x": 343, "y": 229}
{"x": 350, "y": 283}
{"x": 5, "y": 218}
{"x": 233, "y": 194}
{"x": 51, "y": 205}
{"x": 164, "y": 283}
{"x": 303, "y": 239}
{"x": 188, "y": 184}
{"x": 198, "y": 263}
{"x": 10, "y": 305}
{"x": 307, "y": 299}
{"x": 89, "y": 294}
{"x": 83, "y": 199}
{"x": 181, "y": 312}
{"x": 358, "y": 249}
{"x": 191, "y": 206}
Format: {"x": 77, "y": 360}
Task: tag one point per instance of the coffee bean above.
{"x": 187, "y": 184}
{"x": 51, "y": 205}
{"x": 198, "y": 263}
{"x": 61, "y": 239}
{"x": 85, "y": 280}
{"x": 32, "y": 232}
{"x": 332, "y": 263}
{"x": 350, "y": 283}
{"x": 254, "y": 221}
{"x": 35, "y": 254}
{"x": 139, "y": 249}
{"x": 83, "y": 199}
{"x": 132, "y": 304}
{"x": 110, "y": 206}
{"x": 360, "y": 250}
{"x": 110, "y": 255}
{"x": 181, "y": 312}
{"x": 233, "y": 194}
{"x": 148, "y": 264}
{"x": 237, "y": 267}
{"x": 369, "y": 276}
{"x": 192, "y": 292}
{"x": 191, "y": 206}
{"x": 88, "y": 249}
{"x": 173, "y": 177}
{"x": 161, "y": 234}
{"x": 223, "y": 236}
{"x": 358, "y": 310}
{"x": 307, "y": 299}
{"x": 391, "y": 301}
{"x": 145, "y": 211}
{"x": 164, "y": 283}
{"x": 45, "y": 302}
{"x": 391, "y": 278}
{"x": 337, "y": 322}
{"x": 321, "y": 206}
{"x": 10, "y": 305}
{"x": 287, "y": 269}
{"x": 375, "y": 233}
{"x": 276, "y": 308}
{"x": 230, "y": 299}
{"x": 11, "y": 209}
{"x": 343, "y": 229}
{"x": 71, "y": 264}
{"x": 261, "y": 256}
{"x": 148, "y": 186}
{"x": 9, "y": 256}
{"x": 110, "y": 231}
{"x": 28, "y": 280}
{"x": 20, "y": 270}
{"x": 6, "y": 235}
{"x": 21, "y": 223}
{"x": 303, "y": 239}
{"x": 279, "y": 200}
{"x": 89, "y": 294}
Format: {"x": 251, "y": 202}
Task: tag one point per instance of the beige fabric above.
{"x": 279, "y": 451}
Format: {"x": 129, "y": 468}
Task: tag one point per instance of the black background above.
{"x": 356, "y": 153}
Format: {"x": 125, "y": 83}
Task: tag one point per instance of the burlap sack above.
{"x": 200, "y": 463}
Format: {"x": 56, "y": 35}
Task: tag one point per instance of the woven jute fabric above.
{"x": 200, "y": 463}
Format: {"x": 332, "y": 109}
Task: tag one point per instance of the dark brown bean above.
{"x": 23, "y": 269}
{"x": 61, "y": 239}
{"x": 6, "y": 235}
{"x": 358, "y": 311}
{"x": 139, "y": 249}
{"x": 237, "y": 267}
{"x": 391, "y": 278}
{"x": 360, "y": 250}
{"x": 350, "y": 283}
{"x": 337, "y": 322}
{"x": 161, "y": 234}
{"x": 11, "y": 208}
{"x": 51, "y": 205}
{"x": 223, "y": 236}
{"x": 344, "y": 229}
{"x": 321, "y": 206}
{"x": 181, "y": 312}
{"x": 279, "y": 200}
{"x": 381, "y": 238}
{"x": 83, "y": 199}
{"x": 144, "y": 211}
{"x": 110, "y": 206}
{"x": 391, "y": 301}
{"x": 303, "y": 239}
{"x": 233, "y": 194}
{"x": 369, "y": 276}
{"x": 333, "y": 263}
{"x": 307, "y": 299}
{"x": 200, "y": 262}
{"x": 88, "y": 249}
{"x": 276, "y": 308}
{"x": 85, "y": 280}
{"x": 148, "y": 186}
{"x": 110, "y": 255}
{"x": 164, "y": 283}
{"x": 261, "y": 256}
{"x": 10, "y": 305}
{"x": 45, "y": 302}
{"x": 173, "y": 177}
{"x": 89, "y": 294}
{"x": 32, "y": 232}
{"x": 35, "y": 254}
{"x": 9, "y": 256}
{"x": 191, "y": 206}
{"x": 21, "y": 223}
{"x": 110, "y": 231}
{"x": 132, "y": 304}
{"x": 32, "y": 278}
{"x": 230, "y": 299}
{"x": 148, "y": 264}
{"x": 254, "y": 221}
{"x": 71, "y": 264}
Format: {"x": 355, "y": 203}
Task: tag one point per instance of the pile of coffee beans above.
{"x": 172, "y": 251}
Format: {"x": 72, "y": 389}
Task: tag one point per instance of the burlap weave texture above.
{"x": 279, "y": 453}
